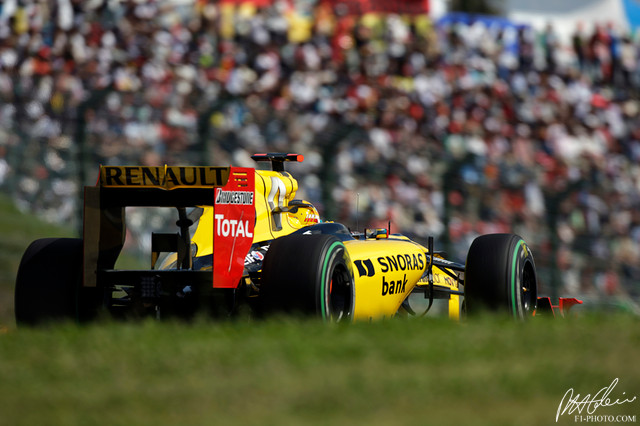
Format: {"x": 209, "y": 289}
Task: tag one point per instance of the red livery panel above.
{"x": 234, "y": 221}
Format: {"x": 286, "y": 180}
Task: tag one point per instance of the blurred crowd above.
{"x": 451, "y": 130}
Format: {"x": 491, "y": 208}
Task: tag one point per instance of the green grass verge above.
{"x": 484, "y": 371}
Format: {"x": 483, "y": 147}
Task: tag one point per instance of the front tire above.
{"x": 500, "y": 275}
{"x": 308, "y": 275}
{"x": 48, "y": 281}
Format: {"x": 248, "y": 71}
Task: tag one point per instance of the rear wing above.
{"x": 230, "y": 190}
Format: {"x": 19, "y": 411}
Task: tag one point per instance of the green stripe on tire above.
{"x": 513, "y": 277}
{"x": 323, "y": 287}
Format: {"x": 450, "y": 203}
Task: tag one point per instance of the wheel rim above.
{"x": 339, "y": 294}
{"x": 528, "y": 288}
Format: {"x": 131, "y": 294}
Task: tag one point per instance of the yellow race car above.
{"x": 244, "y": 243}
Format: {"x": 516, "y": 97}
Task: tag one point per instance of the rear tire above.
{"x": 308, "y": 275}
{"x": 500, "y": 275}
{"x": 48, "y": 281}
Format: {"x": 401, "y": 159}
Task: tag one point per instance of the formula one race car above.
{"x": 244, "y": 240}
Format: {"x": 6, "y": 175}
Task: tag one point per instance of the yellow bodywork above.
{"x": 392, "y": 266}
{"x": 386, "y": 270}
{"x": 274, "y": 216}
{"x": 392, "y": 269}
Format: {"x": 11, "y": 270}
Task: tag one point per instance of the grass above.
{"x": 484, "y": 371}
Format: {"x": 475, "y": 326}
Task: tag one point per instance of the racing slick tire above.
{"x": 500, "y": 276}
{"x": 48, "y": 281}
{"x": 308, "y": 275}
